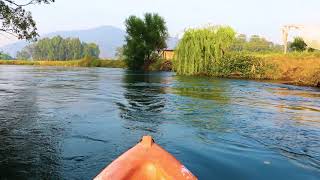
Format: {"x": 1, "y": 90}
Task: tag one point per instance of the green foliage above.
{"x": 16, "y": 20}
{"x": 5, "y": 56}
{"x": 58, "y": 48}
{"x": 119, "y": 53}
{"x": 86, "y": 62}
{"x": 243, "y": 65}
{"x": 90, "y": 50}
{"x": 298, "y": 44}
{"x": 254, "y": 44}
{"x": 145, "y": 40}
{"x": 24, "y": 54}
{"x": 200, "y": 51}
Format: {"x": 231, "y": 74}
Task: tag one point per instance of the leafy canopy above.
{"x": 17, "y": 21}
{"x": 58, "y": 48}
{"x": 200, "y": 51}
{"x": 145, "y": 40}
{"x": 5, "y": 56}
{"x": 298, "y": 44}
{"x": 254, "y": 44}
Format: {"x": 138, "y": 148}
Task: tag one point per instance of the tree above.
{"x": 119, "y": 53}
{"x": 91, "y": 50}
{"x": 5, "y": 56}
{"x": 24, "y": 54}
{"x": 17, "y": 21}
{"x": 258, "y": 44}
{"x": 201, "y": 51}
{"x": 298, "y": 44}
{"x": 58, "y": 48}
{"x": 145, "y": 40}
{"x": 239, "y": 43}
{"x": 254, "y": 44}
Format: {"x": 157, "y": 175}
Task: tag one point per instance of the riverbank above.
{"x": 71, "y": 63}
{"x": 298, "y": 69}
{"x": 302, "y": 69}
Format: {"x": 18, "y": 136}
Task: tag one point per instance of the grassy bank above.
{"x": 293, "y": 68}
{"x": 71, "y": 63}
{"x": 297, "y": 69}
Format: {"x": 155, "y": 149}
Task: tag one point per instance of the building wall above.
{"x": 168, "y": 54}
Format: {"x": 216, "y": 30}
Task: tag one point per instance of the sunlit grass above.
{"x": 299, "y": 69}
{"x": 71, "y": 63}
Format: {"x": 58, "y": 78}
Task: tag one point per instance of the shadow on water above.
{"x": 202, "y": 88}
{"x": 144, "y": 101}
{"x": 203, "y": 104}
{"x": 28, "y": 139}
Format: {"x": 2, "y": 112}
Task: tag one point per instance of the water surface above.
{"x": 69, "y": 123}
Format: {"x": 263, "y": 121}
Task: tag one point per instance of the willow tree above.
{"x": 200, "y": 51}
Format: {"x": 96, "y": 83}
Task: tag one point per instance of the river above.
{"x": 69, "y": 123}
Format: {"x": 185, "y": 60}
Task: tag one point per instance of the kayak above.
{"x": 146, "y": 160}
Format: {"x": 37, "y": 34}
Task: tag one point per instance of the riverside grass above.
{"x": 206, "y": 51}
{"x": 294, "y": 68}
{"x": 301, "y": 69}
{"x": 86, "y": 62}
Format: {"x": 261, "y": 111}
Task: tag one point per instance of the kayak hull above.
{"x": 146, "y": 160}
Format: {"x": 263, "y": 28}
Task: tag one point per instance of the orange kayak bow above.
{"x": 146, "y": 160}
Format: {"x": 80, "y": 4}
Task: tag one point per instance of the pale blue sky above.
{"x": 262, "y": 17}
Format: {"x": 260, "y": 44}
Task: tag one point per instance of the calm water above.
{"x": 69, "y": 123}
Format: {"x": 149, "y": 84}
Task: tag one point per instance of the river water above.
{"x": 69, "y": 123}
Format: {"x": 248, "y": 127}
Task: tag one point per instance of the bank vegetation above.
{"x": 217, "y": 51}
{"x": 85, "y": 62}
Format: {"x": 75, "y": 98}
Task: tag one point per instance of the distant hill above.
{"x": 108, "y": 38}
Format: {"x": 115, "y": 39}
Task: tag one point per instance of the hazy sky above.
{"x": 262, "y": 17}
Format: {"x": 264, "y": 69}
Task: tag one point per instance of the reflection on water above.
{"x": 69, "y": 123}
{"x": 143, "y": 95}
{"x": 202, "y": 88}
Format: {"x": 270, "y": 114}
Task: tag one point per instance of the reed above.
{"x": 303, "y": 69}
{"x": 86, "y": 62}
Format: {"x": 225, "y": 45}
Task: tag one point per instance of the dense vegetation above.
{"x": 86, "y": 62}
{"x": 254, "y": 44}
{"x": 201, "y": 51}
{"x": 298, "y": 45}
{"x": 145, "y": 40}
{"x": 215, "y": 51}
{"x": 5, "y": 56}
{"x": 17, "y": 21}
{"x": 58, "y": 48}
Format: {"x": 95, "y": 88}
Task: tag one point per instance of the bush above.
{"x": 242, "y": 65}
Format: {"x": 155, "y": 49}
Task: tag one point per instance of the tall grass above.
{"x": 86, "y": 62}
{"x": 298, "y": 69}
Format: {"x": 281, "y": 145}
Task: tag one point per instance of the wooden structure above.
{"x": 167, "y": 54}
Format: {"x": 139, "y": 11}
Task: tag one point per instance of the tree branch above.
{"x": 29, "y": 3}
